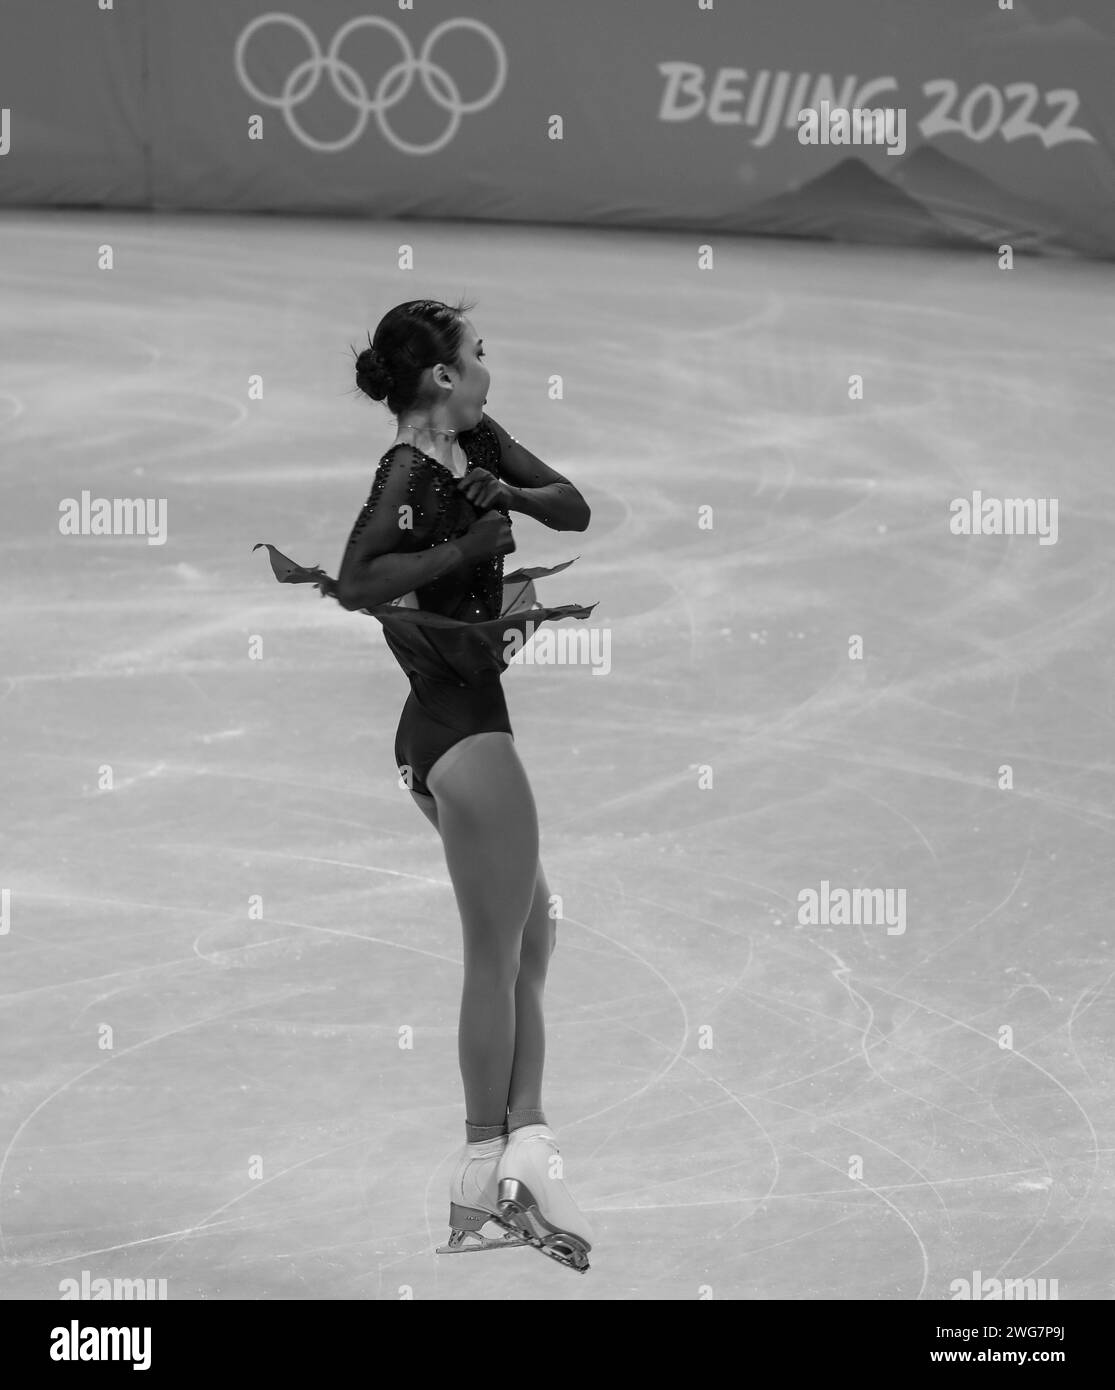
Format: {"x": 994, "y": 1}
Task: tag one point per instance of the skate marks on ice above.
{"x": 726, "y": 1165}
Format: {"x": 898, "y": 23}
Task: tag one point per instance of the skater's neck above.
{"x": 430, "y": 433}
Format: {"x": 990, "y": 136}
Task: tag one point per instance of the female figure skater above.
{"x": 425, "y": 558}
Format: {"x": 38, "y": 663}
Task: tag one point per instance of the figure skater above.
{"x": 425, "y": 558}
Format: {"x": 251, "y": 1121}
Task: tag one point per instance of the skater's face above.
{"x": 471, "y": 388}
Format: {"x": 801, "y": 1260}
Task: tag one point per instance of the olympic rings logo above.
{"x": 303, "y": 80}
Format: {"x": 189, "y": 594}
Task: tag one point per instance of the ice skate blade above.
{"x": 468, "y": 1242}
{"x": 466, "y": 1233}
{"x": 520, "y": 1210}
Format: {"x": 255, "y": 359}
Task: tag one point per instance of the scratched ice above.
{"x": 771, "y": 1109}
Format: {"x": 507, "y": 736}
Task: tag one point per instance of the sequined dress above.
{"x": 456, "y": 644}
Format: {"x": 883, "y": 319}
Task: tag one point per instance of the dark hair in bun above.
{"x": 372, "y": 375}
{"x": 410, "y": 338}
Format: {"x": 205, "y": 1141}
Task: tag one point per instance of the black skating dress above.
{"x": 455, "y": 646}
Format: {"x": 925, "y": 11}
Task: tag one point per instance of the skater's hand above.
{"x": 489, "y": 534}
{"x": 484, "y": 489}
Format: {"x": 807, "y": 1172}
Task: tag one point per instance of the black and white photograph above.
{"x": 558, "y": 700}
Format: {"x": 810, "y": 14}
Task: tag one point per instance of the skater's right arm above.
{"x": 380, "y": 563}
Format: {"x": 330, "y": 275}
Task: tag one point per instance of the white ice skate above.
{"x": 475, "y": 1220}
{"x": 535, "y": 1201}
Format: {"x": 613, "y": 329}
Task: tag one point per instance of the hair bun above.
{"x": 372, "y": 375}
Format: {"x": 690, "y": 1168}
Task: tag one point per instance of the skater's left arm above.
{"x": 529, "y": 486}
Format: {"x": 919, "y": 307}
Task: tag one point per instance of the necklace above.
{"x": 457, "y": 468}
{"x": 427, "y": 428}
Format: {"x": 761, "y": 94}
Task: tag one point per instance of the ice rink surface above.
{"x": 748, "y": 1106}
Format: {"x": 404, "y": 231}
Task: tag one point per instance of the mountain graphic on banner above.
{"x": 930, "y": 199}
{"x": 976, "y": 206}
{"x": 850, "y": 202}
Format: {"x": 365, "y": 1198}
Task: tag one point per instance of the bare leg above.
{"x": 428, "y": 806}
{"x": 489, "y": 828}
{"x": 539, "y": 940}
